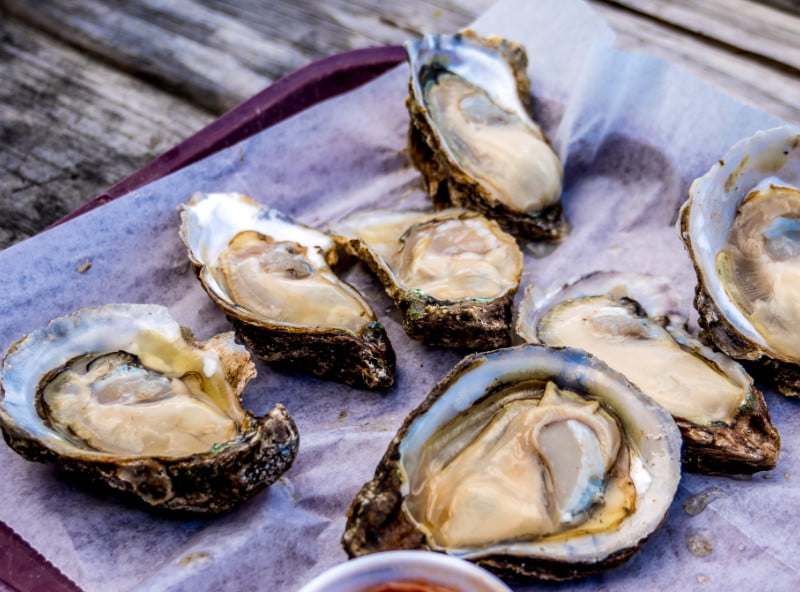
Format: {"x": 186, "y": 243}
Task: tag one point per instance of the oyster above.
{"x": 472, "y": 136}
{"x": 453, "y": 274}
{"x": 630, "y": 321}
{"x": 533, "y": 462}
{"x": 124, "y": 396}
{"x": 272, "y": 278}
{"x": 741, "y": 227}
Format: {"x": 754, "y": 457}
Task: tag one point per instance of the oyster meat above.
{"x": 533, "y": 462}
{"x": 741, "y": 227}
{"x": 722, "y": 416}
{"x": 453, "y": 273}
{"x": 472, "y": 136}
{"x": 272, "y": 278}
{"x": 125, "y": 397}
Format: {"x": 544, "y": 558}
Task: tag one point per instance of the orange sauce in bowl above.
{"x": 409, "y": 586}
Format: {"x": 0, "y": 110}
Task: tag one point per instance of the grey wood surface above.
{"x": 90, "y": 90}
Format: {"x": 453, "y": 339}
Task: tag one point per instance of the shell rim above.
{"x": 691, "y": 223}
{"x": 9, "y": 420}
{"x": 669, "y": 439}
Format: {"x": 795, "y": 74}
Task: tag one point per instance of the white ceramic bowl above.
{"x": 363, "y": 573}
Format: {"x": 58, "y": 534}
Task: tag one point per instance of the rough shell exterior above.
{"x": 449, "y": 186}
{"x": 377, "y": 520}
{"x": 363, "y": 360}
{"x": 774, "y": 152}
{"x": 750, "y": 445}
{"x": 366, "y": 360}
{"x": 471, "y": 324}
{"x": 214, "y": 481}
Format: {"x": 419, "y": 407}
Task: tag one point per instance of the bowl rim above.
{"x": 428, "y": 560}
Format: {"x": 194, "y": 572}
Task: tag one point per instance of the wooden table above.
{"x": 94, "y": 89}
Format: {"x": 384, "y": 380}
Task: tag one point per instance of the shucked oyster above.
{"x": 453, "y": 274}
{"x": 533, "y": 462}
{"x": 629, "y": 321}
{"x": 123, "y": 395}
{"x": 472, "y": 136}
{"x": 741, "y": 226}
{"x": 272, "y": 278}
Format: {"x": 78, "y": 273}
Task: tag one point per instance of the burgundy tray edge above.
{"x": 22, "y": 568}
{"x": 303, "y": 88}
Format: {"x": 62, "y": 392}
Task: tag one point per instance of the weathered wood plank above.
{"x": 741, "y": 24}
{"x": 790, "y": 6}
{"x": 67, "y": 132}
{"x": 70, "y": 127}
{"x": 769, "y": 88}
{"x": 216, "y": 53}
{"x": 179, "y": 49}
{"x": 58, "y": 151}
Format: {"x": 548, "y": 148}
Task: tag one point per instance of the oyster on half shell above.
{"x": 124, "y": 396}
{"x": 452, "y": 273}
{"x": 271, "y": 276}
{"x": 630, "y": 321}
{"x": 533, "y": 462}
{"x": 741, "y": 227}
{"x": 472, "y": 136}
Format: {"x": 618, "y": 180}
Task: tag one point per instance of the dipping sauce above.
{"x": 410, "y": 586}
{"x": 406, "y": 571}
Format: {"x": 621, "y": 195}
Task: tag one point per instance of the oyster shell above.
{"x": 472, "y": 136}
{"x": 740, "y": 226}
{"x": 272, "y": 278}
{"x": 485, "y": 468}
{"x": 453, "y": 273}
{"x": 124, "y": 396}
{"x": 630, "y": 321}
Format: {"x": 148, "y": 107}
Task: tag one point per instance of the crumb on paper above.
{"x": 787, "y": 475}
{"x": 193, "y": 558}
{"x": 374, "y": 426}
{"x": 83, "y": 265}
{"x": 699, "y": 543}
{"x": 703, "y": 579}
{"x": 342, "y": 415}
{"x": 615, "y": 250}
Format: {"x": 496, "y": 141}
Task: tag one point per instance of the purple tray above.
{"x": 23, "y": 569}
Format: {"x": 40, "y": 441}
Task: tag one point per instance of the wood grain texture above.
{"x": 789, "y": 6}
{"x": 216, "y": 53}
{"x": 740, "y": 24}
{"x": 70, "y": 127}
{"x": 188, "y": 50}
{"x": 93, "y": 89}
{"x": 760, "y": 83}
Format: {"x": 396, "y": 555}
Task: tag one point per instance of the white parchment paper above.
{"x": 633, "y": 132}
